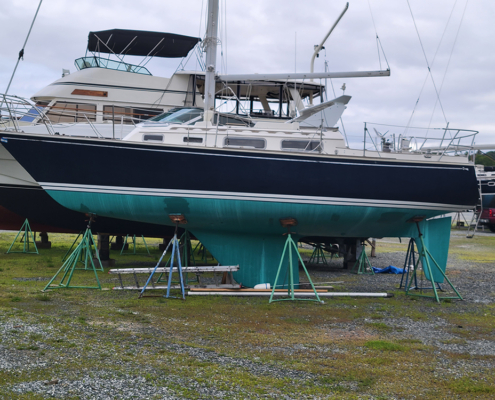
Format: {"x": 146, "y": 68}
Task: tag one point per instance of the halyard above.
{"x": 91, "y": 344}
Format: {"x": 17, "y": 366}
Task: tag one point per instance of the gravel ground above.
{"x": 475, "y": 282}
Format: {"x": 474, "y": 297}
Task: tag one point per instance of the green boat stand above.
{"x": 72, "y": 245}
{"x": 409, "y": 264}
{"x": 363, "y": 263}
{"x": 187, "y": 251}
{"x": 424, "y": 257}
{"x": 201, "y": 249}
{"x": 84, "y": 251}
{"x": 178, "y": 219}
{"x": 122, "y": 253}
{"x": 289, "y": 247}
{"x": 318, "y": 255}
{"x": 26, "y": 234}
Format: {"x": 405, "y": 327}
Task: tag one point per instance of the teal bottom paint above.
{"x": 436, "y": 235}
{"x": 245, "y": 232}
{"x": 258, "y": 256}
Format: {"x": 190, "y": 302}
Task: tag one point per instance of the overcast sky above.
{"x": 278, "y": 36}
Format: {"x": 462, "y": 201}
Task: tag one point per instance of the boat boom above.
{"x": 301, "y": 75}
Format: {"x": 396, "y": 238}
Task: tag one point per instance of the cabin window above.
{"x": 192, "y": 139}
{"x": 300, "y": 145}
{"x": 34, "y": 112}
{"x": 231, "y": 120}
{"x": 71, "y": 112}
{"x": 244, "y": 142}
{"x": 152, "y": 138}
{"x": 127, "y": 114}
{"x": 179, "y": 115}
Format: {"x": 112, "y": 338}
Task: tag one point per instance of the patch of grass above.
{"x": 27, "y": 347}
{"x": 48, "y": 262}
{"x": 468, "y": 385}
{"x": 384, "y": 345}
{"x": 43, "y": 297}
{"x": 378, "y": 361}
{"x": 15, "y": 299}
{"x": 296, "y": 320}
{"x": 380, "y": 326}
{"x": 35, "y": 336}
{"x": 366, "y": 383}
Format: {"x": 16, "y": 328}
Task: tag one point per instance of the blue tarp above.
{"x": 388, "y": 270}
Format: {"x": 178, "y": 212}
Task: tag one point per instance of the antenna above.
{"x": 382, "y": 135}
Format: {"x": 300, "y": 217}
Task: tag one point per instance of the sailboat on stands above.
{"x": 234, "y": 178}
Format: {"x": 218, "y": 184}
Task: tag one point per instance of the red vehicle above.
{"x": 487, "y": 218}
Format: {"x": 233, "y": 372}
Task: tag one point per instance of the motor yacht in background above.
{"x": 106, "y": 96}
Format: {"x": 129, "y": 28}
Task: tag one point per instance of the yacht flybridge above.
{"x": 234, "y": 177}
{"x": 106, "y": 91}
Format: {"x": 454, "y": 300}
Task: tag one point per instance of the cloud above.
{"x": 278, "y": 36}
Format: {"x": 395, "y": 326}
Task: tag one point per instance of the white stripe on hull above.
{"x": 278, "y": 198}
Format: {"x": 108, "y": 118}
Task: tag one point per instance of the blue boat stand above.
{"x": 177, "y": 218}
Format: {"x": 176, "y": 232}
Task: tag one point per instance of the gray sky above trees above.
{"x": 278, "y": 36}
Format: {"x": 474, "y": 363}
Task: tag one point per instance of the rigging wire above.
{"x": 21, "y": 53}
{"x": 378, "y": 41}
{"x": 450, "y": 57}
{"x": 429, "y": 70}
{"x": 426, "y": 77}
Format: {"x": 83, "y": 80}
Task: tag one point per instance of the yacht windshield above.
{"x": 179, "y": 115}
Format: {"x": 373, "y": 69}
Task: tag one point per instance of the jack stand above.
{"x": 202, "y": 250}
{"x": 72, "y": 245}
{"x": 425, "y": 255}
{"x": 178, "y": 219}
{"x": 27, "y": 233}
{"x": 317, "y": 255}
{"x": 290, "y": 245}
{"x": 363, "y": 263}
{"x": 409, "y": 264}
{"x": 84, "y": 251}
{"x": 134, "y": 246}
{"x": 185, "y": 239}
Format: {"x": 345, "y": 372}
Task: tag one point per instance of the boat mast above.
{"x": 320, "y": 46}
{"x": 210, "y": 45}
